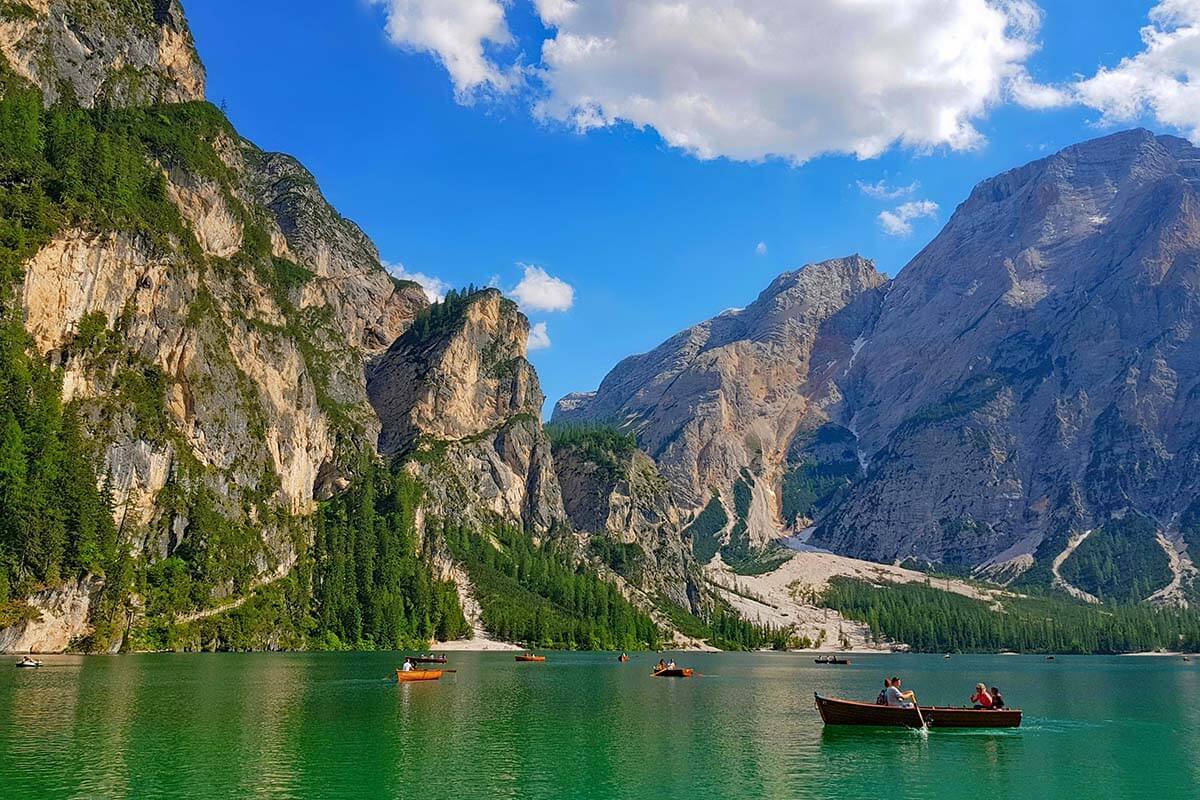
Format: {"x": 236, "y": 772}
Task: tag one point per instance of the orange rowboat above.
{"x": 418, "y": 675}
{"x": 677, "y": 672}
{"x": 530, "y": 657}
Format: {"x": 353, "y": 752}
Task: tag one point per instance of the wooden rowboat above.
{"x": 623, "y": 659}
{"x": 676, "y": 672}
{"x": 831, "y": 660}
{"x": 428, "y": 659}
{"x": 530, "y": 657}
{"x": 418, "y": 675}
{"x": 850, "y": 712}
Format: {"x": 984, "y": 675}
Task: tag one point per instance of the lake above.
{"x": 582, "y": 725}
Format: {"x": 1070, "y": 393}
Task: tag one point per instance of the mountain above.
{"x": 1031, "y": 377}
{"x": 1034, "y": 371}
{"x": 223, "y": 425}
{"x": 717, "y": 406}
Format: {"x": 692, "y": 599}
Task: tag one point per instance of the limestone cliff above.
{"x": 615, "y": 496}
{"x": 725, "y": 398}
{"x": 457, "y": 395}
{"x": 135, "y": 52}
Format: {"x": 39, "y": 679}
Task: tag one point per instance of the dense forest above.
{"x": 933, "y": 621}
{"x": 540, "y": 595}
{"x": 1120, "y": 562}
{"x": 371, "y": 585}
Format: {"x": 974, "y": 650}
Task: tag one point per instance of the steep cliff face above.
{"x": 1034, "y": 370}
{"x": 725, "y": 398}
{"x": 457, "y": 394}
{"x": 614, "y": 494}
{"x": 122, "y": 53}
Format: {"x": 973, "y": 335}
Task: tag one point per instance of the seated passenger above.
{"x": 881, "y": 698}
{"x": 997, "y": 699}
{"x": 981, "y": 698}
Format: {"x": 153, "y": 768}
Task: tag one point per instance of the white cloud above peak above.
{"x": 898, "y": 221}
{"x": 748, "y": 79}
{"x": 538, "y": 290}
{"x": 435, "y": 288}
{"x": 1162, "y": 80}
{"x": 743, "y": 79}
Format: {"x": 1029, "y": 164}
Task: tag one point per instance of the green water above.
{"x": 582, "y": 725}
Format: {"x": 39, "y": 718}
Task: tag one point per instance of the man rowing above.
{"x": 897, "y": 697}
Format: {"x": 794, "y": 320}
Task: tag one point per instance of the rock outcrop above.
{"x": 727, "y": 396}
{"x": 457, "y": 394}
{"x": 616, "y": 498}
{"x": 93, "y": 51}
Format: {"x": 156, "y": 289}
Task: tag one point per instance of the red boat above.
{"x": 851, "y": 712}
{"x": 530, "y": 657}
{"x": 673, "y": 672}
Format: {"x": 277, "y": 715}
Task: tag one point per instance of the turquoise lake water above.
{"x": 582, "y": 725}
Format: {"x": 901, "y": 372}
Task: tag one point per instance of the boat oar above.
{"x": 920, "y": 716}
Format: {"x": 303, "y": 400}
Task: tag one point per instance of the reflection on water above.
{"x": 582, "y": 725}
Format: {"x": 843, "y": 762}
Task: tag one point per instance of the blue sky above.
{"x": 466, "y": 161}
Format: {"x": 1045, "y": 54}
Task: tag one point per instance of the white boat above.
{"x": 28, "y": 663}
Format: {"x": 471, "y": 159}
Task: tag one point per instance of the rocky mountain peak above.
{"x": 135, "y": 52}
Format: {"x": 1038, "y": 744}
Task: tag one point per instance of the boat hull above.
{"x": 674, "y": 673}
{"x": 530, "y": 658}
{"x": 415, "y": 675}
{"x": 850, "y": 712}
{"x": 419, "y": 660}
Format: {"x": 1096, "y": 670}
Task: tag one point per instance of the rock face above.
{"x": 92, "y": 51}
{"x": 1035, "y": 368}
{"x": 1033, "y": 372}
{"x": 728, "y": 395}
{"x": 615, "y": 496}
{"x": 457, "y": 393}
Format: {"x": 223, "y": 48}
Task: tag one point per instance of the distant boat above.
{"x": 946, "y": 656}
{"x": 622, "y": 658}
{"x": 418, "y": 675}
{"x": 851, "y": 712}
{"x": 673, "y": 672}
{"x": 1049, "y": 658}
{"x": 830, "y": 660}
{"x": 428, "y": 659}
{"x": 530, "y": 657}
{"x": 28, "y": 663}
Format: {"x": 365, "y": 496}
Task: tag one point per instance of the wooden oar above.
{"x": 920, "y": 716}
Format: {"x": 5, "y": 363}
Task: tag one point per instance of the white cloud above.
{"x": 744, "y": 79}
{"x": 1162, "y": 80}
{"x": 761, "y": 248}
{"x": 747, "y": 79}
{"x": 435, "y": 288}
{"x": 880, "y": 190}
{"x": 456, "y": 33}
{"x": 539, "y": 339}
{"x": 898, "y": 222}
{"x": 541, "y": 291}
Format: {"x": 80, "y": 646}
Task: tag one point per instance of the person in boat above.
{"x": 662, "y": 664}
{"x": 407, "y": 666}
{"x": 997, "y": 699}
{"x": 881, "y": 699}
{"x": 671, "y": 664}
{"x": 981, "y": 698}
{"x": 898, "y": 698}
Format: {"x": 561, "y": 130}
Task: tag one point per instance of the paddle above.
{"x": 920, "y": 716}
